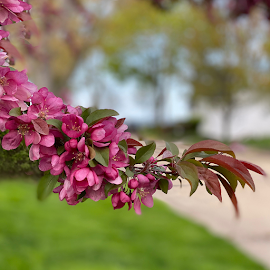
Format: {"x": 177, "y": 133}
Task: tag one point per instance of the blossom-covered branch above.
{"x": 86, "y": 153}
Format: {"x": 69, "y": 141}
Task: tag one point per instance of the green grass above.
{"x": 51, "y": 235}
{"x": 262, "y": 143}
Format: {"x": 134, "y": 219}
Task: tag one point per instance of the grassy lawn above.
{"x": 51, "y": 235}
{"x": 262, "y": 143}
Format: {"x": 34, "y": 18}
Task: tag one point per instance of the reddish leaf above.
{"x": 167, "y": 154}
{"x": 230, "y": 193}
{"x": 211, "y": 181}
{"x": 132, "y": 142}
{"x": 10, "y": 49}
{"x": 162, "y": 151}
{"x": 120, "y": 122}
{"x": 253, "y": 167}
{"x": 233, "y": 165}
{"x": 41, "y": 126}
{"x": 210, "y": 145}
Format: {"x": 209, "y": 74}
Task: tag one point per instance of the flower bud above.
{"x": 133, "y": 183}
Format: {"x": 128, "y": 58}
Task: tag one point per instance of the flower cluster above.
{"x": 87, "y": 150}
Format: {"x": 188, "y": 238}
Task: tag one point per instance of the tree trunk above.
{"x": 226, "y": 122}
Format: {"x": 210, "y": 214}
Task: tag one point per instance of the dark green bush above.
{"x": 16, "y": 162}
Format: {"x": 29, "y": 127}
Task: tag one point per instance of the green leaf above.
{"x": 55, "y": 122}
{"x": 15, "y": 112}
{"x": 12, "y": 69}
{"x": 131, "y": 161}
{"x": 159, "y": 168}
{"x": 108, "y": 187}
{"x": 81, "y": 195}
{"x": 172, "y": 148}
{"x": 60, "y": 150}
{"x": 201, "y": 154}
{"x": 123, "y": 146}
{"x": 102, "y": 156}
{"x": 87, "y": 111}
{"x": 98, "y": 115}
{"x": 92, "y": 163}
{"x": 129, "y": 173}
{"x": 189, "y": 172}
{"x": 124, "y": 178}
{"x": 195, "y": 162}
{"x": 46, "y": 186}
{"x": 145, "y": 152}
{"x": 164, "y": 185}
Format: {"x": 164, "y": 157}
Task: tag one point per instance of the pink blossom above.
{"x": 66, "y": 191}
{"x": 11, "y": 9}
{"x": 52, "y": 164}
{"x": 45, "y": 105}
{"x": 19, "y": 127}
{"x": 71, "y": 110}
{"x": 110, "y": 174}
{"x": 14, "y": 85}
{"x": 120, "y": 199}
{"x": 5, "y": 107}
{"x": 117, "y": 157}
{"x": 3, "y": 57}
{"x": 121, "y": 134}
{"x": 38, "y": 151}
{"x": 3, "y": 34}
{"x": 143, "y": 192}
{"x": 104, "y": 132}
{"x": 96, "y": 192}
{"x": 73, "y": 125}
{"x": 83, "y": 178}
{"x": 76, "y": 151}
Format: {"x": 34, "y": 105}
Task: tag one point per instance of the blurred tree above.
{"x": 144, "y": 43}
{"x": 223, "y": 65}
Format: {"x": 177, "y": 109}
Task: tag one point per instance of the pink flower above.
{"x": 110, "y": 174}
{"x": 45, "y": 105}
{"x": 104, "y": 132}
{"x": 96, "y": 192}
{"x": 3, "y": 57}
{"x": 143, "y": 192}
{"x": 76, "y": 151}
{"x": 66, "y": 191}
{"x": 14, "y": 85}
{"x": 71, "y": 110}
{"x": 52, "y": 164}
{"x": 11, "y": 9}
{"x": 73, "y": 125}
{"x": 19, "y": 127}
{"x": 80, "y": 179}
{"x": 38, "y": 151}
{"x": 3, "y": 34}
{"x": 5, "y": 107}
{"x": 117, "y": 157}
{"x": 120, "y": 199}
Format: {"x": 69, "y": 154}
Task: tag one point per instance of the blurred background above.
{"x": 175, "y": 69}
{"x": 179, "y": 70}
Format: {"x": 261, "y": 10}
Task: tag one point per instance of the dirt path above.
{"x": 251, "y": 232}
